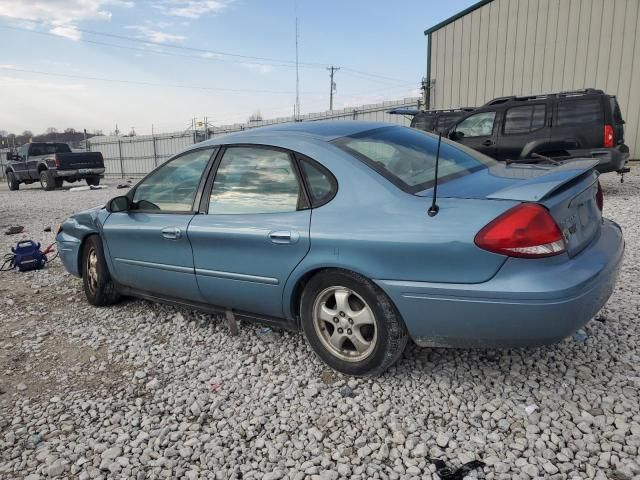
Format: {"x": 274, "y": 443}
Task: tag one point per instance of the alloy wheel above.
{"x": 92, "y": 270}
{"x": 345, "y": 324}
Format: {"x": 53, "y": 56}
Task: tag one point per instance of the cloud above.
{"x": 258, "y": 67}
{"x": 39, "y": 85}
{"x": 62, "y": 16}
{"x": 192, "y": 9}
{"x": 153, "y": 35}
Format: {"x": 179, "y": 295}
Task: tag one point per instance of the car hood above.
{"x": 519, "y": 182}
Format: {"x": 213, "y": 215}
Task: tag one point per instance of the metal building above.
{"x": 521, "y": 47}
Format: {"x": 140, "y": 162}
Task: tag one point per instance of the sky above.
{"x": 136, "y": 63}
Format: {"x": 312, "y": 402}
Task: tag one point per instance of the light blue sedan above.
{"x": 332, "y": 228}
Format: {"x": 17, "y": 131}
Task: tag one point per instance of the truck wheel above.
{"x": 12, "y": 182}
{"x": 47, "y": 181}
{"x": 351, "y": 324}
{"x": 93, "y": 181}
{"x": 98, "y": 285}
{"x": 59, "y": 182}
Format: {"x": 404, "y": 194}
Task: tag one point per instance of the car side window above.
{"x": 173, "y": 186}
{"x": 321, "y": 184}
{"x": 253, "y": 180}
{"x": 578, "y": 112}
{"x": 525, "y": 119}
{"x": 478, "y": 125}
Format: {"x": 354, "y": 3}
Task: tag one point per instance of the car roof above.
{"x": 326, "y": 130}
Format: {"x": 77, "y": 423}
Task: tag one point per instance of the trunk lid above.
{"x": 568, "y": 191}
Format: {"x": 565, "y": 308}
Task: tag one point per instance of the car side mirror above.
{"x": 454, "y": 135}
{"x": 119, "y": 204}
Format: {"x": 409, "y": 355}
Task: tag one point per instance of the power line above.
{"x": 205, "y": 54}
{"x": 152, "y": 84}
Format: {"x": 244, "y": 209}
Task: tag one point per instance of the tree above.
{"x": 70, "y": 130}
{"x": 255, "y": 117}
{"x": 51, "y": 130}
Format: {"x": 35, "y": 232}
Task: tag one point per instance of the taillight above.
{"x": 56, "y": 160}
{"x": 608, "y": 137}
{"x": 600, "y": 197}
{"x": 527, "y": 230}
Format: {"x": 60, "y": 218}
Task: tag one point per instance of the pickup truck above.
{"x": 51, "y": 164}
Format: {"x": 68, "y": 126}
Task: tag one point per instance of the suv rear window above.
{"x": 406, "y": 157}
{"x": 615, "y": 110}
{"x": 579, "y": 112}
{"x": 524, "y": 119}
{"x": 422, "y": 121}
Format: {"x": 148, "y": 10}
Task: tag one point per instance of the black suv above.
{"x": 582, "y": 123}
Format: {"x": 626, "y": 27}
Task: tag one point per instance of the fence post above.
{"x": 121, "y": 162}
{"x": 155, "y": 156}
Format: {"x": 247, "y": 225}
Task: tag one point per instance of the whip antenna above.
{"x": 434, "y": 208}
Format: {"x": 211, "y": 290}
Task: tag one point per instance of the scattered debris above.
{"x": 529, "y": 409}
{"x": 346, "y": 391}
{"x": 47, "y": 229}
{"x": 601, "y": 318}
{"x": 87, "y": 187}
{"x": 447, "y": 473}
{"x": 14, "y": 230}
{"x": 231, "y": 322}
{"x": 215, "y": 387}
{"x": 580, "y": 336}
{"x": 329, "y": 377}
{"x": 266, "y": 334}
{"x": 123, "y": 185}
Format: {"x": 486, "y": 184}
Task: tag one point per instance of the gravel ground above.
{"x": 141, "y": 390}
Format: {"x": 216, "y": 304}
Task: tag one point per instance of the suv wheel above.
{"x": 12, "y": 182}
{"x": 47, "y": 181}
{"x": 96, "y": 280}
{"x": 351, "y": 324}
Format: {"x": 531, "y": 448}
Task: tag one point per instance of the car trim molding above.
{"x": 237, "y": 276}
{"x": 161, "y": 266}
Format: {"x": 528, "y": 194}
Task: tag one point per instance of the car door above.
{"x": 254, "y": 229}
{"x": 148, "y": 244}
{"x": 522, "y": 126}
{"x": 477, "y": 131}
{"x": 20, "y": 164}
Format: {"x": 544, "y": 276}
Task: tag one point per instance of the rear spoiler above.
{"x": 404, "y": 111}
{"x": 539, "y": 187}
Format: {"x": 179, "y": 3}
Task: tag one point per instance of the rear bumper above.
{"x": 609, "y": 159}
{"x": 527, "y": 303}
{"x": 79, "y": 173}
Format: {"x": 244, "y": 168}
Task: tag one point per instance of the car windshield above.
{"x": 407, "y": 157}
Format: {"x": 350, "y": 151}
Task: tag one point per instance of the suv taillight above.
{"x": 56, "y": 160}
{"x": 527, "y": 230}
{"x": 608, "y": 137}
{"x": 600, "y": 197}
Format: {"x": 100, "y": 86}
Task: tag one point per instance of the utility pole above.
{"x": 332, "y": 84}
{"x": 297, "y": 115}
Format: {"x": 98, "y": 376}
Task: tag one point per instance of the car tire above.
{"x": 93, "y": 181}
{"x": 99, "y": 288}
{"x": 12, "y": 182}
{"x": 351, "y": 324}
{"x": 47, "y": 182}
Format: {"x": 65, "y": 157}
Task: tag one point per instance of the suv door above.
{"x": 522, "y": 126}
{"x": 254, "y": 230}
{"x": 148, "y": 245}
{"x": 477, "y": 131}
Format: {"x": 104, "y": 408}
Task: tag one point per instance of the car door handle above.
{"x": 172, "y": 233}
{"x": 487, "y": 143}
{"x": 284, "y": 237}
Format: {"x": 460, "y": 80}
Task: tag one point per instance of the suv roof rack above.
{"x": 539, "y": 96}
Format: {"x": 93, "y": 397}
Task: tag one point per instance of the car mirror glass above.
{"x": 119, "y": 204}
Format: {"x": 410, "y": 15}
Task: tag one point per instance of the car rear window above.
{"x": 407, "y": 157}
{"x": 578, "y": 112}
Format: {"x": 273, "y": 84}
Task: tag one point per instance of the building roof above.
{"x": 458, "y": 15}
